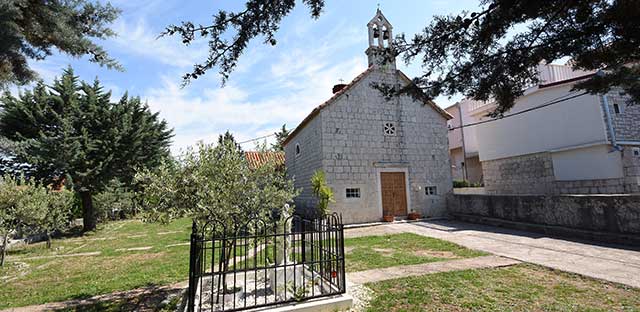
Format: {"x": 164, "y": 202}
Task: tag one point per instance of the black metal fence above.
{"x": 264, "y": 262}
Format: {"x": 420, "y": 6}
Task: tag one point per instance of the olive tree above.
{"x": 214, "y": 182}
{"x": 33, "y": 207}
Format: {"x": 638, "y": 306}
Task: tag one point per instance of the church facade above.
{"x": 381, "y": 156}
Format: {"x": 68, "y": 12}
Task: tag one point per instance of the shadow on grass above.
{"x": 152, "y": 298}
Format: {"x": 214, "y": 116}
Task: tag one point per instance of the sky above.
{"x": 272, "y": 85}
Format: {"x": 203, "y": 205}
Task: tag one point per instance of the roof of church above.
{"x": 317, "y": 110}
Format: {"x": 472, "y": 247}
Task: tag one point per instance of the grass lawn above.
{"x": 373, "y": 252}
{"x": 33, "y": 276}
{"x": 159, "y": 255}
{"x": 516, "y": 288}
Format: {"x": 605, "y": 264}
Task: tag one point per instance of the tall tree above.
{"x": 71, "y": 129}
{"x": 30, "y": 29}
{"x": 489, "y": 54}
{"x": 280, "y": 137}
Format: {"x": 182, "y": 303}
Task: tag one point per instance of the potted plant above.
{"x": 388, "y": 218}
{"x": 413, "y": 215}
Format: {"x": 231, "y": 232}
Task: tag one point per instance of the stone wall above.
{"x": 615, "y": 214}
{"x": 533, "y": 174}
{"x": 631, "y": 168}
{"x": 356, "y": 150}
{"x": 627, "y": 122}
{"x": 301, "y": 167}
{"x": 527, "y": 174}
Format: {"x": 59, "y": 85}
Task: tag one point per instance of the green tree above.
{"x": 280, "y": 137}
{"x": 490, "y": 54}
{"x": 322, "y": 191}
{"x": 115, "y": 199}
{"x": 32, "y": 29}
{"x": 72, "y": 130}
{"x": 33, "y": 207}
{"x": 11, "y": 213}
{"x": 214, "y": 183}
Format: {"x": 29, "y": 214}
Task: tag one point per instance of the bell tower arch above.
{"x": 380, "y": 38}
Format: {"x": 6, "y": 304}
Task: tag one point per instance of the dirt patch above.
{"x": 135, "y": 248}
{"x": 349, "y": 249}
{"x": 384, "y": 251}
{"x": 436, "y": 254}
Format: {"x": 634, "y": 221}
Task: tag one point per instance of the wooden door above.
{"x": 394, "y": 193}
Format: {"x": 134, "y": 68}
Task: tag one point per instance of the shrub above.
{"x": 460, "y": 183}
{"x": 322, "y": 191}
{"x": 465, "y": 183}
{"x": 115, "y": 202}
{"x": 32, "y": 207}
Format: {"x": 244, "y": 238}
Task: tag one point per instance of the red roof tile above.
{"x": 257, "y": 159}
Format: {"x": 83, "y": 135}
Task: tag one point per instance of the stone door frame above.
{"x": 405, "y": 170}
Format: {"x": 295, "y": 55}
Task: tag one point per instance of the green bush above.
{"x": 460, "y": 183}
{"x": 465, "y": 183}
{"x": 32, "y": 208}
{"x": 114, "y": 202}
{"x": 322, "y": 191}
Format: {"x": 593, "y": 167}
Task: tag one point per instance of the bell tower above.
{"x": 380, "y": 37}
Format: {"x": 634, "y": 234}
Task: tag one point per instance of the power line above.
{"x": 521, "y": 112}
{"x": 258, "y": 138}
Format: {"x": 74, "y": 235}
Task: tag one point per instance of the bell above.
{"x": 385, "y": 35}
{"x": 376, "y": 33}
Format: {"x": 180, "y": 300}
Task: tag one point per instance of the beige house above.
{"x": 463, "y": 142}
{"x": 380, "y": 156}
{"x": 559, "y": 141}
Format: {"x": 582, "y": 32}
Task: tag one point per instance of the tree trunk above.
{"x": 48, "y": 240}
{"x": 4, "y": 249}
{"x": 88, "y": 213}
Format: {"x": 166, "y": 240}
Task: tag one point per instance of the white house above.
{"x": 557, "y": 141}
{"x": 380, "y": 156}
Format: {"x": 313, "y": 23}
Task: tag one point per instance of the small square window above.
{"x": 636, "y": 151}
{"x": 430, "y": 190}
{"x": 389, "y": 128}
{"x": 353, "y": 192}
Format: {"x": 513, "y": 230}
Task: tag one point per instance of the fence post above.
{"x": 193, "y": 255}
{"x": 304, "y": 248}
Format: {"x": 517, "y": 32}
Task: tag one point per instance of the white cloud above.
{"x": 247, "y": 114}
{"x": 272, "y": 86}
{"x": 140, "y": 40}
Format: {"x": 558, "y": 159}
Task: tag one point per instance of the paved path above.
{"x": 377, "y": 275}
{"x": 608, "y": 262}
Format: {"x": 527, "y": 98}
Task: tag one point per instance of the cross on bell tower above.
{"x": 380, "y": 36}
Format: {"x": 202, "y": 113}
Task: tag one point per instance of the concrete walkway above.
{"x": 612, "y": 263}
{"x": 377, "y": 275}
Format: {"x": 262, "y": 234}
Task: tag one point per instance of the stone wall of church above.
{"x": 356, "y": 149}
{"x": 300, "y": 167}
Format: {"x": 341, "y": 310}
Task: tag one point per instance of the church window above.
{"x": 430, "y": 191}
{"x": 297, "y": 149}
{"x": 389, "y": 128}
{"x": 353, "y": 193}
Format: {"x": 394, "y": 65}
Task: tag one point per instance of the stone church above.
{"x": 381, "y": 156}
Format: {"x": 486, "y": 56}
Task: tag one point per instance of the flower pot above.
{"x": 413, "y": 216}
{"x": 388, "y": 218}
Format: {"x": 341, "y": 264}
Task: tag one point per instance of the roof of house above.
{"x": 555, "y": 83}
{"x": 346, "y": 88}
{"x": 257, "y": 159}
